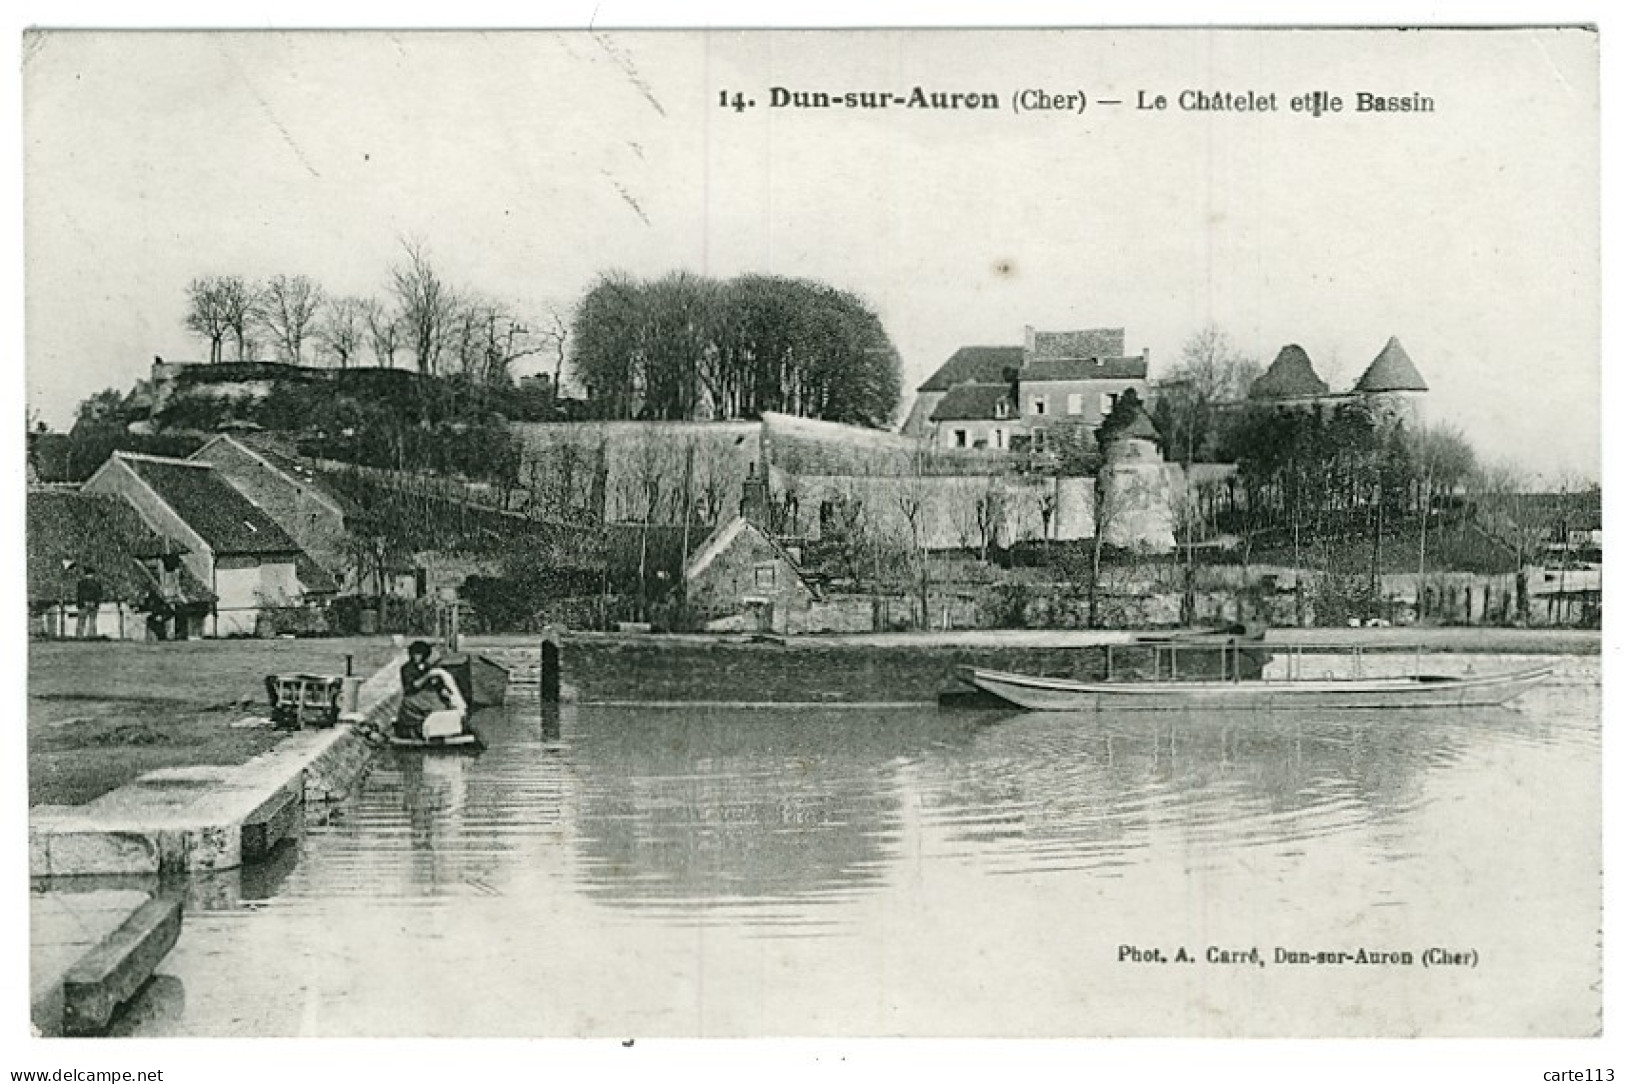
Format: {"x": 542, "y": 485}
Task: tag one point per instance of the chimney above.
{"x": 1029, "y": 342}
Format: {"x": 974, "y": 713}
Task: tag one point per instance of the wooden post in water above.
{"x": 551, "y": 665}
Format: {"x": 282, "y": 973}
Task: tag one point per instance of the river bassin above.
{"x": 812, "y": 871}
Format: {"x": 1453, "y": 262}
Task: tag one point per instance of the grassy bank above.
{"x": 100, "y": 714}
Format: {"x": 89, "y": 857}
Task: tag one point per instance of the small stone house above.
{"x": 741, "y": 576}
{"x": 148, "y": 593}
{"x": 292, "y": 495}
{"x": 228, "y": 543}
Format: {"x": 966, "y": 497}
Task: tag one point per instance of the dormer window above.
{"x": 1001, "y": 409}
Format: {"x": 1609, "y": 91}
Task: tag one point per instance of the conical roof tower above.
{"x": 1290, "y": 376}
{"x": 1392, "y": 370}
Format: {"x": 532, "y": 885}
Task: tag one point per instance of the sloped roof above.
{"x": 1139, "y": 427}
{"x": 1091, "y": 368}
{"x": 228, "y": 521}
{"x": 1290, "y": 376}
{"x": 1391, "y": 370}
{"x": 284, "y": 457}
{"x": 971, "y": 402}
{"x": 69, "y": 530}
{"x": 1094, "y": 342}
{"x": 975, "y": 365}
{"x": 726, "y": 535}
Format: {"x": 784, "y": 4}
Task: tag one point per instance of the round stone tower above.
{"x": 1392, "y": 387}
{"x": 1134, "y": 498}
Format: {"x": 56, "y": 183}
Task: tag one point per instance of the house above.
{"x": 148, "y": 592}
{"x": 976, "y": 416}
{"x": 295, "y": 496}
{"x": 227, "y": 542}
{"x": 741, "y": 572}
{"x": 998, "y": 397}
{"x": 990, "y": 365}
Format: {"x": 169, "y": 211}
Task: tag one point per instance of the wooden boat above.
{"x": 1036, "y": 693}
{"x": 467, "y": 741}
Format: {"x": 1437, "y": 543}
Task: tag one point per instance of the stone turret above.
{"x": 1392, "y": 386}
{"x": 1135, "y": 508}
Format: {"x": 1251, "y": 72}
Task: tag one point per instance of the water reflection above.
{"x": 580, "y": 852}
{"x": 745, "y": 805}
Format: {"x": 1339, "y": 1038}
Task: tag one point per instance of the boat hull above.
{"x": 466, "y": 741}
{"x": 1060, "y": 694}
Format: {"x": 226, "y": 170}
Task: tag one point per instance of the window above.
{"x": 1074, "y": 403}
{"x": 1040, "y": 407}
{"x": 1108, "y": 403}
{"x": 767, "y": 576}
{"x": 961, "y": 438}
{"x": 1001, "y": 409}
{"x": 998, "y": 438}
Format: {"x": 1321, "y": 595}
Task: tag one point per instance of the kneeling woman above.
{"x": 426, "y": 690}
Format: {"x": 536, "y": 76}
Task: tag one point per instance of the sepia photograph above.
{"x": 914, "y": 533}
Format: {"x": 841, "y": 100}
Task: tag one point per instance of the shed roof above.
{"x": 1290, "y": 376}
{"x": 225, "y": 519}
{"x": 1391, "y": 370}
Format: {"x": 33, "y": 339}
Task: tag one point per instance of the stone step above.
{"x": 91, "y": 952}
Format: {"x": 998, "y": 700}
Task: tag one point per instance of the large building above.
{"x": 1003, "y": 397}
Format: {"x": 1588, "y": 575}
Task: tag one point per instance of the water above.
{"x": 905, "y": 872}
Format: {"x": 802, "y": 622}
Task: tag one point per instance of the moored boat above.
{"x": 1037, "y": 693}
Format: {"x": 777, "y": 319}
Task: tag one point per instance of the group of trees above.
{"x": 1193, "y": 399}
{"x": 685, "y": 346}
{"x": 419, "y": 315}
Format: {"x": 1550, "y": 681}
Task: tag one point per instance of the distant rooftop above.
{"x": 1392, "y": 370}
{"x": 1095, "y": 342}
{"x": 1290, "y": 376}
{"x": 228, "y": 521}
{"x": 1091, "y": 368}
{"x": 975, "y": 365}
{"x": 971, "y": 402}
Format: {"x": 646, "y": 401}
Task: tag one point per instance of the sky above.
{"x": 530, "y": 163}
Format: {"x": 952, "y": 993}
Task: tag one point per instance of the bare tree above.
{"x": 287, "y": 308}
{"x": 383, "y": 331}
{"x": 913, "y": 501}
{"x": 555, "y": 338}
{"x": 486, "y": 338}
{"x": 990, "y": 511}
{"x": 427, "y": 305}
{"x": 343, "y": 329}
{"x": 1508, "y": 512}
{"x": 238, "y": 300}
{"x": 1211, "y": 371}
{"x": 206, "y": 314}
